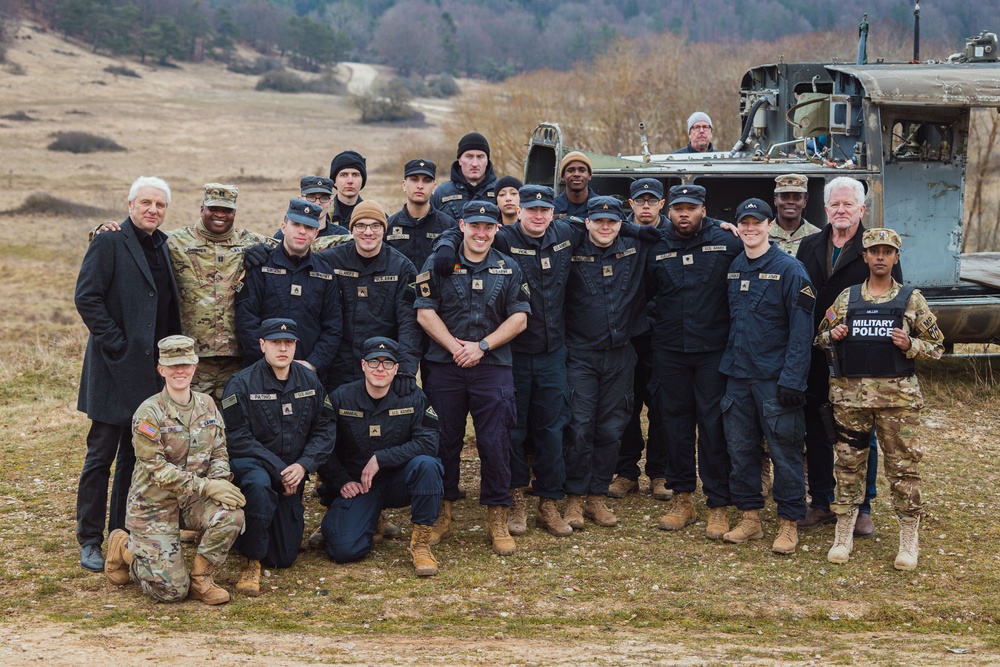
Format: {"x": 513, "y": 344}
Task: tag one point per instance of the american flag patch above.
{"x": 147, "y": 429}
{"x": 830, "y": 315}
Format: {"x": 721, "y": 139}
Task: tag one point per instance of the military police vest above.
{"x": 868, "y": 350}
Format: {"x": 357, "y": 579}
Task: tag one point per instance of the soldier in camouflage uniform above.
{"x": 791, "y": 194}
{"x": 208, "y": 264}
{"x": 873, "y": 332}
{"x": 181, "y": 478}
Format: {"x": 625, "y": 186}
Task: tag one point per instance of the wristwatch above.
{"x": 484, "y": 345}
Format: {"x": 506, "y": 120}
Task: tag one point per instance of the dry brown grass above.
{"x": 632, "y": 595}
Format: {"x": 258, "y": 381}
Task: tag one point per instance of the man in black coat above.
{"x": 128, "y": 299}
{"x": 833, "y": 261}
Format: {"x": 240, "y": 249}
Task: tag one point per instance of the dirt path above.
{"x": 362, "y": 77}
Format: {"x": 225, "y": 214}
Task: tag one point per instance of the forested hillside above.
{"x": 486, "y": 38}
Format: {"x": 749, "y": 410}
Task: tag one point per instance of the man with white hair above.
{"x": 834, "y": 261}
{"x": 699, "y": 128}
{"x": 127, "y": 297}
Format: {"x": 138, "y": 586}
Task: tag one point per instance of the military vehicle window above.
{"x": 922, "y": 141}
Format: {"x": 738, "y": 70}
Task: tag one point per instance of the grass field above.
{"x": 624, "y": 596}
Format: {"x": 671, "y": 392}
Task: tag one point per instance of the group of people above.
{"x": 224, "y": 367}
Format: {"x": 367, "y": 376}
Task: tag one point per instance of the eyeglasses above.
{"x": 387, "y": 364}
{"x": 701, "y": 128}
{"x": 365, "y": 226}
{"x": 319, "y": 198}
{"x": 646, "y": 201}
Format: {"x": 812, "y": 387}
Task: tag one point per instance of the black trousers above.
{"x": 106, "y": 444}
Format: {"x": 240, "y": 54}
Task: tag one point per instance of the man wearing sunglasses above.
{"x": 385, "y": 457}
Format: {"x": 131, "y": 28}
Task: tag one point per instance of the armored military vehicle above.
{"x": 901, "y": 129}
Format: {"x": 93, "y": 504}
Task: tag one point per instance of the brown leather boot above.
{"x": 203, "y": 587}
{"x": 718, "y": 523}
{"x": 249, "y": 583}
{"x": 424, "y": 563}
{"x": 503, "y": 543}
{"x": 116, "y": 565}
{"x": 749, "y": 528}
{"x": 386, "y": 529}
{"x": 597, "y": 511}
{"x": 190, "y": 537}
{"x": 574, "y": 512}
{"x": 622, "y": 486}
{"x": 441, "y": 530}
{"x": 518, "y": 523}
{"x": 658, "y": 489}
{"x": 681, "y": 513}
{"x": 788, "y": 537}
{"x": 548, "y": 517}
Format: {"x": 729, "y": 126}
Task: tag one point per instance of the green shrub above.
{"x": 442, "y": 85}
{"x": 281, "y": 81}
{"x": 386, "y": 102}
{"x": 83, "y": 142}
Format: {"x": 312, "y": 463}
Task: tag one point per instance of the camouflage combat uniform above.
{"x": 889, "y": 404}
{"x": 789, "y": 241}
{"x": 207, "y": 273}
{"x": 177, "y": 448}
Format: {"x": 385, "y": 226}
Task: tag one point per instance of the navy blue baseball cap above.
{"x": 758, "y": 208}
{"x": 536, "y": 196}
{"x": 687, "y": 194}
{"x": 304, "y": 212}
{"x": 481, "y": 211}
{"x": 646, "y": 186}
{"x": 279, "y": 328}
{"x": 604, "y": 208}
{"x": 380, "y": 346}
{"x": 312, "y": 184}
{"x": 420, "y": 166}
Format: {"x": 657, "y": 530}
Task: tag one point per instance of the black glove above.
{"x": 404, "y": 384}
{"x": 444, "y": 261}
{"x": 791, "y": 398}
{"x": 648, "y": 234}
{"x": 256, "y": 255}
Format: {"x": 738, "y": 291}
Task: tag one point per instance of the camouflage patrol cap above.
{"x": 605, "y": 208}
{"x": 217, "y": 194}
{"x": 177, "y": 351}
{"x": 380, "y": 346}
{"x": 315, "y": 185}
{"x": 791, "y": 183}
{"x": 883, "y": 236}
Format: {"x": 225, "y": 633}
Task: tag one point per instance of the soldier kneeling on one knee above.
{"x": 181, "y": 479}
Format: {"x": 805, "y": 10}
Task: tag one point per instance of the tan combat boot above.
{"x": 503, "y": 543}
{"x": 441, "y": 529}
{"x": 622, "y": 486}
{"x": 518, "y": 523}
{"x": 249, "y": 583}
{"x": 203, "y": 587}
{"x": 116, "y": 565}
{"x": 424, "y": 563}
{"x": 843, "y": 538}
{"x": 597, "y": 511}
{"x": 749, "y": 528}
{"x": 909, "y": 547}
{"x": 574, "y": 512}
{"x": 681, "y": 513}
{"x": 548, "y": 517}
{"x": 658, "y": 489}
{"x": 718, "y": 522}
{"x": 766, "y": 475}
{"x": 788, "y": 537}
{"x": 190, "y": 537}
